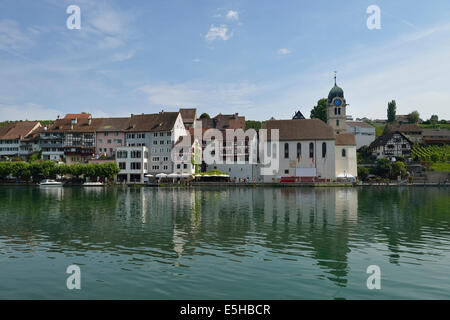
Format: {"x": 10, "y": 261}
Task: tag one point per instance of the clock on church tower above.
{"x": 336, "y": 109}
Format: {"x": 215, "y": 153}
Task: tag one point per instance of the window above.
{"x": 185, "y": 166}
{"x": 161, "y": 142}
{"x": 286, "y": 171}
{"x": 109, "y": 141}
{"x": 299, "y": 150}
{"x": 122, "y": 154}
{"x": 403, "y": 146}
{"x": 105, "y": 134}
{"x": 337, "y": 123}
{"x": 100, "y": 141}
{"x": 324, "y": 150}
{"x": 344, "y": 153}
{"x": 136, "y": 154}
{"x": 286, "y": 150}
{"x": 161, "y": 134}
{"x": 166, "y": 158}
{"x": 178, "y": 166}
{"x": 155, "y": 134}
{"x": 169, "y": 134}
{"x": 311, "y": 150}
{"x": 166, "y": 167}
{"x": 135, "y": 166}
{"x": 122, "y": 165}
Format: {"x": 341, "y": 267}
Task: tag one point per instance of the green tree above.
{"x": 250, "y": 124}
{"x": 413, "y": 117}
{"x": 398, "y": 169}
{"x": 205, "y": 116}
{"x": 391, "y": 111}
{"x": 320, "y": 110}
{"x": 434, "y": 119}
{"x": 363, "y": 173}
{"x": 383, "y": 168}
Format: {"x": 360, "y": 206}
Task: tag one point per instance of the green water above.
{"x": 225, "y": 243}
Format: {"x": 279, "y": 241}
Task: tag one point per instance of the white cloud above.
{"x": 196, "y": 60}
{"x": 232, "y": 15}
{"x": 213, "y": 97}
{"x": 122, "y": 56}
{"x": 28, "y": 111}
{"x": 12, "y": 37}
{"x": 218, "y": 32}
{"x": 284, "y": 51}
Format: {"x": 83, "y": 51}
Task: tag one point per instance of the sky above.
{"x": 258, "y": 58}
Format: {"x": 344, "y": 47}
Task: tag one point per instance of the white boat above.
{"x": 50, "y": 183}
{"x": 93, "y": 184}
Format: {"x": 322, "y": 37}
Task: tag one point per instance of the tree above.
{"x": 391, "y": 111}
{"x": 434, "y": 119}
{"x": 398, "y": 169}
{"x": 362, "y": 173}
{"x": 413, "y": 117}
{"x": 320, "y": 110}
{"x": 205, "y": 116}
{"x": 383, "y": 168}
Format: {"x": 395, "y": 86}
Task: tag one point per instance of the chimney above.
{"x": 89, "y": 121}
{"x": 57, "y": 117}
{"x": 71, "y": 126}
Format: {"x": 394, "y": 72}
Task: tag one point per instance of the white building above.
{"x": 305, "y": 151}
{"x": 17, "y": 139}
{"x": 158, "y": 132}
{"x": 364, "y": 133}
{"x": 187, "y": 156}
{"x": 133, "y": 163}
{"x": 345, "y": 155}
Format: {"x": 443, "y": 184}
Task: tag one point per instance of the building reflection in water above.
{"x": 313, "y": 222}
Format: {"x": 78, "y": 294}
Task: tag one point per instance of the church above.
{"x": 312, "y": 150}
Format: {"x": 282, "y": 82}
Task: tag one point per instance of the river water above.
{"x": 225, "y": 243}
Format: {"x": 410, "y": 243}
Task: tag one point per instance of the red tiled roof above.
{"x": 300, "y": 129}
{"x": 345, "y": 139}
{"x": 77, "y": 116}
{"x": 16, "y": 130}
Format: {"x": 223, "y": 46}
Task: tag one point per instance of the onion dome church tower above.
{"x": 336, "y": 109}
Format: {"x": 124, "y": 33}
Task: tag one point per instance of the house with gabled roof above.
{"x": 392, "y": 144}
{"x": 18, "y": 138}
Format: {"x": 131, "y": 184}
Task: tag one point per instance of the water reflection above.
{"x": 174, "y": 226}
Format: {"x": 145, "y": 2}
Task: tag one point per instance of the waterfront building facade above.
{"x": 158, "y": 132}
{"x": 18, "y": 139}
{"x": 110, "y": 135}
{"x": 392, "y": 144}
{"x": 133, "y": 163}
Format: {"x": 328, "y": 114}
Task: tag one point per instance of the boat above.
{"x": 93, "y": 184}
{"x": 50, "y": 183}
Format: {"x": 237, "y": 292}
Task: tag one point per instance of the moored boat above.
{"x": 50, "y": 183}
{"x": 93, "y": 184}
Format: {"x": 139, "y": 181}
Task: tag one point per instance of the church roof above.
{"x": 335, "y": 92}
{"x": 345, "y": 139}
{"x": 300, "y": 129}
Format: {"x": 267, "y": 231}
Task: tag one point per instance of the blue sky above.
{"x": 261, "y": 58}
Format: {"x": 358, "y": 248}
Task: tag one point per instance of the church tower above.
{"x": 336, "y": 109}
